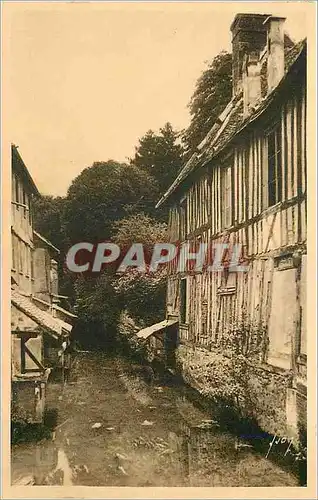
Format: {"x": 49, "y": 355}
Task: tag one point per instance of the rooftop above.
{"x": 19, "y": 165}
{"x": 229, "y": 124}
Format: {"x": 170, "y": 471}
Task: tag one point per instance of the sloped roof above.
{"x": 19, "y": 165}
{"x": 145, "y": 333}
{"x": 293, "y": 53}
{"x": 230, "y": 123}
{"x": 47, "y": 242}
{"x": 64, "y": 311}
{"x": 224, "y": 134}
{"x": 45, "y": 320}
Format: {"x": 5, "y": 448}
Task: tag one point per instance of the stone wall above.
{"x": 259, "y": 392}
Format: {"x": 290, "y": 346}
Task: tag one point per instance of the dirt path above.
{"x": 115, "y": 430}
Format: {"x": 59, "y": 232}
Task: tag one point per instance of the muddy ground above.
{"x": 115, "y": 429}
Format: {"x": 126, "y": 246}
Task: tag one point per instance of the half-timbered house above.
{"x": 246, "y": 184}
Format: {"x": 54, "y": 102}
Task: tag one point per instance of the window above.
{"x": 225, "y": 305}
{"x": 183, "y": 301}
{"x": 14, "y": 252}
{"x": 25, "y": 259}
{"x": 21, "y": 250}
{"x": 28, "y": 256}
{"x": 13, "y": 188}
{"x": 225, "y": 313}
{"x": 30, "y": 211}
{"x": 274, "y": 155}
{"x": 17, "y": 198}
{"x": 226, "y": 196}
{"x": 54, "y": 277}
{"x": 32, "y": 264}
{"x": 24, "y": 201}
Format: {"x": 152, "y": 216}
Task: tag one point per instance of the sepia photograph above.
{"x": 156, "y": 294}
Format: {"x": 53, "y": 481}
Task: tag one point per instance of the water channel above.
{"x": 115, "y": 429}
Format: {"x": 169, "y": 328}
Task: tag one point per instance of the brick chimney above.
{"x": 251, "y": 81}
{"x": 249, "y": 35}
{"x": 275, "y": 51}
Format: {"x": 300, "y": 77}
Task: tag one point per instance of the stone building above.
{"x": 38, "y": 336}
{"x": 245, "y": 187}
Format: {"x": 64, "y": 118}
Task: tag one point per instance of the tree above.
{"x": 160, "y": 155}
{"x": 141, "y": 294}
{"x": 212, "y": 93}
{"x": 98, "y": 311}
{"x": 101, "y": 298}
{"x": 102, "y": 194}
{"x": 48, "y": 219}
{"x": 139, "y": 228}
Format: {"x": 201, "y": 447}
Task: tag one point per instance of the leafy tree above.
{"x": 160, "y": 155}
{"x": 102, "y": 194}
{"x": 48, "y": 219}
{"x": 98, "y": 311}
{"x": 141, "y": 294}
{"x": 139, "y": 228}
{"x": 212, "y": 93}
{"x": 100, "y": 299}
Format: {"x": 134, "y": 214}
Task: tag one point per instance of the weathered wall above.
{"x": 28, "y": 401}
{"x": 22, "y": 234}
{"x": 42, "y": 274}
{"x": 260, "y": 392}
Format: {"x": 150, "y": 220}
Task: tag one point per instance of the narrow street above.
{"x": 114, "y": 429}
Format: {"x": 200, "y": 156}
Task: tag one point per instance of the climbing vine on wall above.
{"x": 223, "y": 373}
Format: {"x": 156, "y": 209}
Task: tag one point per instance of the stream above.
{"x": 114, "y": 428}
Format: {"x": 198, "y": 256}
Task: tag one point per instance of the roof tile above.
{"x": 42, "y": 318}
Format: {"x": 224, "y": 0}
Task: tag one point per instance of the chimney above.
{"x": 249, "y": 34}
{"x": 251, "y": 80}
{"x": 275, "y": 51}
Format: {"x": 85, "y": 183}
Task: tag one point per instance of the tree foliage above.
{"x": 98, "y": 311}
{"x": 116, "y": 201}
{"x": 48, "y": 219}
{"x": 103, "y": 194}
{"x": 212, "y": 93}
{"x": 139, "y": 228}
{"x": 160, "y": 155}
{"x": 141, "y": 294}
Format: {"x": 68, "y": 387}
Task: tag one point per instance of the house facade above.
{"x": 38, "y": 336}
{"x": 245, "y": 188}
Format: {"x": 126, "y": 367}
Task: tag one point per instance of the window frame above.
{"x": 274, "y": 165}
{"x": 24, "y": 201}
{"x": 226, "y": 198}
{"x": 17, "y": 191}
{"x": 13, "y": 253}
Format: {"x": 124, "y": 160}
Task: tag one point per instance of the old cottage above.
{"x": 246, "y": 184}
{"x": 39, "y": 336}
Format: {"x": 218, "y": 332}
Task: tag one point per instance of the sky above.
{"x": 87, "y": 80}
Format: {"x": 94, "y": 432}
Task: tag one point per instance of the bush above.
{"x": 142, "y": 295}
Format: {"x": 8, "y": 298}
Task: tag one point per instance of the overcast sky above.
{"x": 88, "y": 80}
